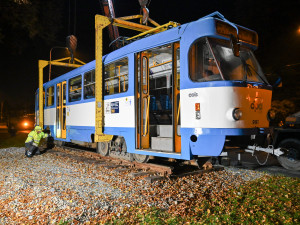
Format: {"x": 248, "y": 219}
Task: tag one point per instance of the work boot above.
{"x": 26, "y": 150}
{"x": 31, "y": 151}
{"x": 37, "y": 152}
{"x": 28, "y": 154}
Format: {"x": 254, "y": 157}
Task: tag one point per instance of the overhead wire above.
{"x": 74, "y": 17}
{"x": 69, "y": 22}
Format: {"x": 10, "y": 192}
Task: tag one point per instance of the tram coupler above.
{"x": 270, "y": 149}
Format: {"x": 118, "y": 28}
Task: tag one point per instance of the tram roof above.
{"x": 189, "y": 32}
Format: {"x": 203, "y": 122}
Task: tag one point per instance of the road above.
{"x": 251, "y": 162}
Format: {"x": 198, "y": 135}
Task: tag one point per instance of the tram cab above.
{"x": 203, "y": 95}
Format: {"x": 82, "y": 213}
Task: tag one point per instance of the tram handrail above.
{"x": 111, "y": 79}
{"x": 178, "y": 113}
{"x": 147, "y": 117}
{"x": 111, "y": 84}
{"x": 160, "y": 64}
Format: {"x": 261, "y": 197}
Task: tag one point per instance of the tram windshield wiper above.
{"x": 248, "y": 68}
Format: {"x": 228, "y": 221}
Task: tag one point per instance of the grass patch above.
{"x": 64, "y": 222}
{"x": 6, "y": 140}
{"x": 269, "y": 200}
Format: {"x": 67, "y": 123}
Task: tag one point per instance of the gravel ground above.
{"x": 51, "y": 188}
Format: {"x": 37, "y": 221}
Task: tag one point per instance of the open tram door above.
{"x": 158, "y": 99}
{"x": 61, "y": 110}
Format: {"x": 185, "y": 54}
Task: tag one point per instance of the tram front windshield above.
{"x": 207, "y": 57}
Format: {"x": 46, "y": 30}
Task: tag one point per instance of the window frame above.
{"x": 205, "y": 39}
{"x": 47, "y": 97}
{"x": 69, "y": 86}
{"x": 104, "y": 78}
{"x": 84, "y": 74}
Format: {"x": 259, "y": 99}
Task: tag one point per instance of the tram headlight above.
{"x": 271, "y": 114}
{"x": 237, "y": 114}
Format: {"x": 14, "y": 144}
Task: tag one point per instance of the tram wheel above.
{"x": 141, "y": 158}
{"x": 291, "y": 159}
{"x": 103, "y": 148}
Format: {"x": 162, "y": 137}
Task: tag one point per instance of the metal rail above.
{"x": 157, "y": 168}
{"x": 150, "y": 168}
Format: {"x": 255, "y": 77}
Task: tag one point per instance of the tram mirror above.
{"x": 235, "y": 45}
{"x": 278, "y": 82}
{"x": 275, "y": 80}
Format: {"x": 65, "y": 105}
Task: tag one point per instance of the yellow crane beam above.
{"x": 42, "y": 65}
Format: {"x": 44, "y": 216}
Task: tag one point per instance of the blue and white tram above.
{"x": 181, "y": 93}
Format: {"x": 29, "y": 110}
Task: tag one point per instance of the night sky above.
{"x": 276, "y": 23}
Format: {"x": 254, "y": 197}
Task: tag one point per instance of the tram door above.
{"x": 158, "y": 99}
{"x": 143, "y": 102}
{"x": 61, "y": 110}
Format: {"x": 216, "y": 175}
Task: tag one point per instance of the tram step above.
{"x": 166, "y": 130}
{"x": 162, "y": 143}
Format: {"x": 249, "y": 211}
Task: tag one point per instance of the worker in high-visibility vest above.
{"x": 33, "y": 140}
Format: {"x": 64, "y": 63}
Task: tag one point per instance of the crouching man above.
{"x": 33, "y": 140}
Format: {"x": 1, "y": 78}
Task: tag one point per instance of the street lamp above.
{"x": 298, "y": 30}
{"x": 50, "y": 58}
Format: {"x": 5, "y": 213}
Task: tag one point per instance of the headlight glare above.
{"x": 237, "y": 114}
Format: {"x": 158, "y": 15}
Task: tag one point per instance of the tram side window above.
{"x": 50, "y": 96}
{"x": 116, "y": 77}
{"x": 75, "y": 85}
{"x": 202, "y": 65}
{"x": 89, "y": 84}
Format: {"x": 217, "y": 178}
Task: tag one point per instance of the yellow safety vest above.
{"x": 33, "y": 136}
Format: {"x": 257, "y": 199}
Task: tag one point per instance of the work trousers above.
{"x": 31, "y": 150}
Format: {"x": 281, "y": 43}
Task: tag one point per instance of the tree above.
{"x": 27, "y": 22}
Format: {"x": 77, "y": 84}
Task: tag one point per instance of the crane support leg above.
{"x": 100, "y": 23}
{"x": 42, "y": 65}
